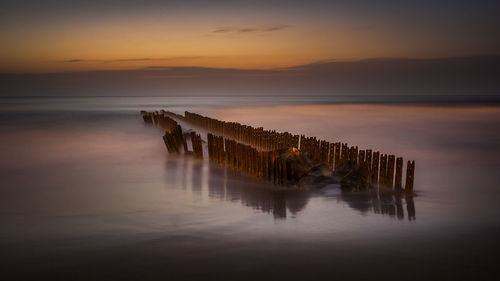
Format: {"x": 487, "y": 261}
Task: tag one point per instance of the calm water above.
{"x": 89, "y": 193}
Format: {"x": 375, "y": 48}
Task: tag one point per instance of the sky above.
{"x": 72, "y": 36}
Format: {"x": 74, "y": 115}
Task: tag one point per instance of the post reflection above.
{"x": 224, "y": 184}
{"x": 210, "y": 181}
{"x": 381, "y": 202}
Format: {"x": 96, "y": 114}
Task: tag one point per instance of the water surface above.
{"x": 89, "y": 192}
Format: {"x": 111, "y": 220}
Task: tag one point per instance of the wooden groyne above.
{"x": 173, "y": 138}
{"x": 265, "y": 165}
{"x": 256, "y": 137}
{"x": 283, "y": 158}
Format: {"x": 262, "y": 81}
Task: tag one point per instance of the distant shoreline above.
{"x": 221, "y": 100}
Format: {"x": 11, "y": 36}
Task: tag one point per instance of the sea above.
{"x": 89, "y": 192}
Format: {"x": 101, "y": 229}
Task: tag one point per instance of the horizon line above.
{"x": 284, "y": 68}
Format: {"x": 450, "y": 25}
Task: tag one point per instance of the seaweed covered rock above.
{"x": 298, "y": 164}
{"x": 303, "y": 171}
{"x": 354, "y": 177}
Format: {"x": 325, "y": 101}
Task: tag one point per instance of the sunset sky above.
{"x": 62, "y": 36}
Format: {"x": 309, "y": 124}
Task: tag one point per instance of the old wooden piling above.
{"x": 375, "y": 167}
{"x": 147, "y": 117}
{"x": 337, "y": 155}
{"x": 184, "y": 143}
{"x": 197, "y": 145}
{"x": 168, "y": 143}
{"x": 398, "y": 184}
{"x": 389, "y": 180}
{"x": 361, "y": 158}
{"x": 368, "y": 158}
{"x": 331, "y": 155}
{"x": 410, "y": 172}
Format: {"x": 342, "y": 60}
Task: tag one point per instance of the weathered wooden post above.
{"x": 280, "y": 171}
{"x": 285, "y": 175}
{"x": 355, "y": 156}
{"x": 389, "y": 181}
{"x": 184, "y": 143}
{"x": 368, "y": 158}
{"x": 266, "y": 165}
{"x": 383, "y": 166}
{"x": 345, "y": 154}
{"x": 331, "y": 155}
{"x": 167, "y": 143}
{"x": 398, "y": 185}
{"x": 229, "y": 153}
{"x": 146, "y": 116}
{"x": 324, "y": 151}
{"x": 210, "y": 146}
{"x": 375, "y": 167}
{"x": 337, "y": 155}
{"x": 172, "y": 142}
{"x": 194, "y": 142}
{"x": 197, "y": 147}
{"x": 220, "y": 142}
{"x": 200, "y": 147}
{"x": 269, "y": 166}
{"x": 410, "y": 172}
{"x": 361, "y": 159}
{"x": 155, "y": 118}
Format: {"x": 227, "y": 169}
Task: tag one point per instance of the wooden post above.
{"x": 184, "y": 143}
{"x": 410, "y": 172}
{"x": 197, "y": 147}
{"x": 167, "y": 143}
{"x": 361, "y": 159}
{"x": 280, "y": 162}
{"x": 383, "y": 170}
{"x": 345, "y": 154}
{"x": 368, "y": 158}
{"x": 275, "y": 168}
{"x": 284, "y": 173}
{"x": 355, "y": 156}
{"x": 331, "y": 155}
{"x": 337, "y": 155}
{"x": 389, "y": 180}
{"x": 220, "y": 142}
{"x": 210, "y": 146}
{"x": 399, "y": 174}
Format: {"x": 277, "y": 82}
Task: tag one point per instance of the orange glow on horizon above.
{"x": 213, "y": 38}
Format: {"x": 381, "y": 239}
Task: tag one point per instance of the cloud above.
{"x": 132, "y": 59}
{"x": 247, "y": 30}
{"x": 156, "y": 67}
{"x": 127, "y": 60}
{"x": 108, "y": 61}
{"x": 74, "y": 60}
{"x": 223, "y": 30}
{"x": 270, "y": 28}
{"x": 277, "y": 27}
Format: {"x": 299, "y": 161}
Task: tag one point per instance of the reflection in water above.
{"x": 381, "y": 202}
{"x": 226, "y": 185}
{"x": 222, "y": 183}
{"x": 210, "y": 180}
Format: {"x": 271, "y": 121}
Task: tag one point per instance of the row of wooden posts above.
{"x": 256, "y": 137}
{"x": 265, "y": 165}
{"x": 173, "y": 137}
{"x": 384, "y": 170}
